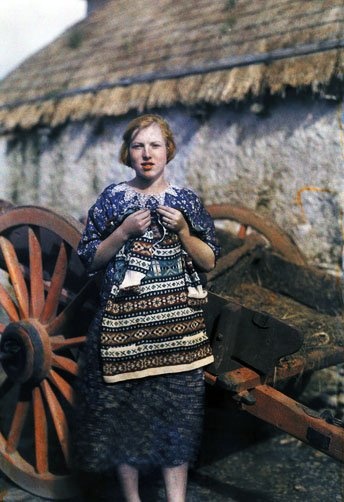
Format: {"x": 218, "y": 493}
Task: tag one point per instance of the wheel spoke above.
{"x": 63, "y": 386}
{"x": 59, "y": 419}
{"x": 41, "y": 432}
{"x": 36, "y": 275}
{"x": 8, "y": 305}
{"x": 59, "y": 342}
{"x": 17, "y": 425}
{"x": 57, "y": 280}
{"x": 70, "y": 311}
{"x": 66, "y": 364}
{"x": 16, "y": 276}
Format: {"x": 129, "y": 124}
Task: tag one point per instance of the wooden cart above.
{"x": 47, "y": 302}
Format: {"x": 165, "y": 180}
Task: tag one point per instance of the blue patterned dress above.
{"x": 141, "y": 386}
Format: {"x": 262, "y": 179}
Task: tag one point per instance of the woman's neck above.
{"x": 148, "y": 186}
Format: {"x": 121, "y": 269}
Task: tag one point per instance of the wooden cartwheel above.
{"x": 265, "y": 232}
{"x": 46, "y": 311}
{"x": 44, "y": 324}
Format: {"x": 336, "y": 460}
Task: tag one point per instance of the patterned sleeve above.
{"x": 200, "y": 220}
{"x": 98, "y": 215}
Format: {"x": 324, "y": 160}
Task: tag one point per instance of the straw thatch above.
{"x": 141, "y": 54}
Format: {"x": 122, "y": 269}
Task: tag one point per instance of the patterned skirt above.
{"x": 148, "y": 422}
{"x": 158, "y": 330}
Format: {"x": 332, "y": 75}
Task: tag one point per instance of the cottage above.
{"x": 252, "y": 90}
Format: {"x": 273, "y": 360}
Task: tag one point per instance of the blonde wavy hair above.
{"x": 141, "y": 123}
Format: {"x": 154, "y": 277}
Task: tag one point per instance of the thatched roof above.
{"x": 142, "y": 54}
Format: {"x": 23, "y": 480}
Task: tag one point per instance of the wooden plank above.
{"x": 308, "y": 285}
{"x": 244, "y": 378}
{"x": 298, "y": 420}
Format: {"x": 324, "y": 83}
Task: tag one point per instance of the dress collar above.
{"x": 130, "y": 193}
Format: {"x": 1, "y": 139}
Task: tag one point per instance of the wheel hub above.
{"x": 25, "y": 351}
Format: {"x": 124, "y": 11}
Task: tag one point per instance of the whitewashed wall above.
{"x": 225, "y": 154}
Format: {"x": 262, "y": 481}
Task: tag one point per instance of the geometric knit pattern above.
{"x": 154, "y": 330}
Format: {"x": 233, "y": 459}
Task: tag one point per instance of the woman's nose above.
{"x": 146, "y": 152}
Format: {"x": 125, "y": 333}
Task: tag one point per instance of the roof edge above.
{"x": 223, "y": 64}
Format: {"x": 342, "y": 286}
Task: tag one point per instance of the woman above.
{"x": 142, "y": 384}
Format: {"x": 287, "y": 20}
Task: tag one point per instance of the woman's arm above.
{"x": 135, "y": 224}
{"x": 200, "y": 252}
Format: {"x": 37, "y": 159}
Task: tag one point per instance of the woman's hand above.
{"x": 200, "y": 252}
{"x": 136, "y": 223}
{"x": 173, "y": 219}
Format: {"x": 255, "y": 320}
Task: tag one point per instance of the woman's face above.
{"x": 148, "y": 153}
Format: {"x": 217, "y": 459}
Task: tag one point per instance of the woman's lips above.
{"x": 148, "y": 166}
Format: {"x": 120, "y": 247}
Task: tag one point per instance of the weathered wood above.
{"x": 254, "y": 339}
{"x": 322, "y": 332}
{"x": 308, "y": 285}
{"x": 230, "y": 259}
{"x": 278, "y": 239}
{"x": 36, "y": 234}
{"x": 16, "y": 275}
{"x": 36, "y": 275}
{"x": 57, "y": 282}
{"x": 40, "y": 432}
{"x": 303, "y": 423}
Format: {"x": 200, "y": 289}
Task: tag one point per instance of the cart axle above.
{"x": 25, "y": 351}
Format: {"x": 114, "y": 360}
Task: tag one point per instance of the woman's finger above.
{"x": 145, "y": 216}
{"x": 167, "y": 211}
{"x": 143, "y": 211}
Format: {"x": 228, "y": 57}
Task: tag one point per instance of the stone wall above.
{"x": 287, "y": 164}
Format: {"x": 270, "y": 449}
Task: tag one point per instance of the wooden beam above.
{"x": 301, "y": 422}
